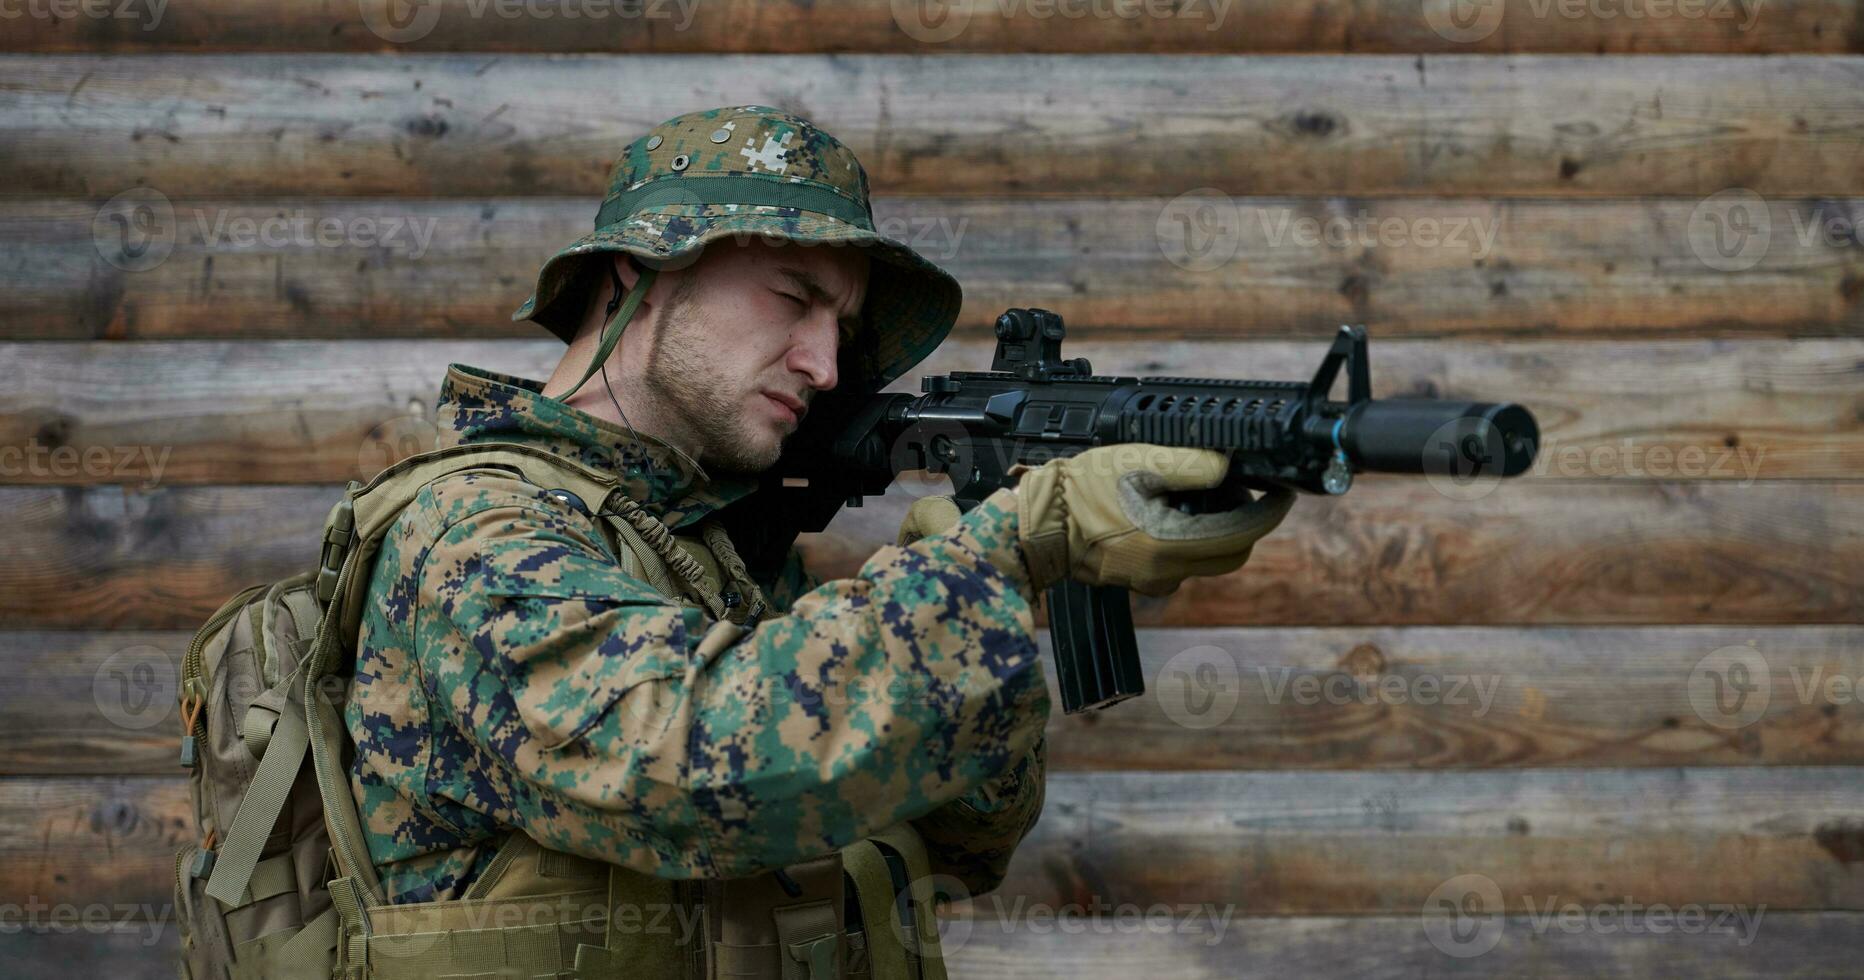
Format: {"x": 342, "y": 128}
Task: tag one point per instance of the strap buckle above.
{"x": 818, "y": 954}
{"x": 339, "y": 533}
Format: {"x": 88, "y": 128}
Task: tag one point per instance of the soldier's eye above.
{"x": 801, "y": 304}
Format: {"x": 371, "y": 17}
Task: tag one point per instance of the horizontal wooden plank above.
{"x": 1188, "y": 944}
{"x": 1433, "y": 697}
{"x": 1053, "y": 26}
{"x": 1260, "y": 843}
{"x": 1392, "y": 552}
{"x": 162, "y": 412}
{"x": 1246, "y": 267}
{"x": 487, "y": 126}
{"x": 1398, "y": 552}
{"x": 1252, "y": 698}
{"x": 1384, "y": 842}
{"x": 1719, "y": 945}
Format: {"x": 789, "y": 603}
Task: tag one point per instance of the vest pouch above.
{"x": 779, "y": 925}
{"x": 536, "y": 912}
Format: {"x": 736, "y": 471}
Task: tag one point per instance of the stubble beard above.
{"x": 681, "y": 375}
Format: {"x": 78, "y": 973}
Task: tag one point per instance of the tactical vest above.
{"x": 282, "y": 885}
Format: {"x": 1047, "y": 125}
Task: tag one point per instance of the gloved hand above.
{"x": 928, "y": 515}
{"x": 1101, "y": 518}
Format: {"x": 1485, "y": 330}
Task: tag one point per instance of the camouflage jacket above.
{"x": 510, "y": 674}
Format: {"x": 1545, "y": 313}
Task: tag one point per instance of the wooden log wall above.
{"x": 1638, "y": 217}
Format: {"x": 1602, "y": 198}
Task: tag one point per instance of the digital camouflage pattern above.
{"x": 509, "y": 674}
{"x": 911, "y": 303}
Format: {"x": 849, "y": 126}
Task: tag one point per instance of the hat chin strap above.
{"x": 620, "y": 312}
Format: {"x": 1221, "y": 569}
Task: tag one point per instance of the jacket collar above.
{"x": 479, "y": 406}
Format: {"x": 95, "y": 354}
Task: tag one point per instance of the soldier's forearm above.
{"x": 972, "y": 838}
{"x": 878, "y": 699}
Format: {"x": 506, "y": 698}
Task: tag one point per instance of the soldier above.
{"x": 544, "y": 684}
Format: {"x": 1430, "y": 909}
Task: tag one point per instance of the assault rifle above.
{"x": 1033, "y": 406}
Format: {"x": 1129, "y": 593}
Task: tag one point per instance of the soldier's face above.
{"x": 752, "y": 344}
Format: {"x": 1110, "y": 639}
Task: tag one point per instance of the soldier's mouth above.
{"x": 788, "y": 407}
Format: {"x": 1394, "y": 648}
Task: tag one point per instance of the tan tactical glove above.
{"x": 1101, "y": 518}
{"x": 928, "y": 515}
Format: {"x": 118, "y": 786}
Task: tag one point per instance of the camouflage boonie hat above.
{"x": 742, "y": 172}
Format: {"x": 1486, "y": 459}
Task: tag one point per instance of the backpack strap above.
{"x": 259, "y": 807}
{"x": 308, "y": 723}
{"x": 363, "y": 516}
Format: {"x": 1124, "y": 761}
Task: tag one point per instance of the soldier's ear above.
{"x": 626, "y": 268}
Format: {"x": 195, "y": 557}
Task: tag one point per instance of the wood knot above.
{"x": 1315, "y": 124}
{"x": 1842, "y": 839}
{"x": 1364, "y": 660}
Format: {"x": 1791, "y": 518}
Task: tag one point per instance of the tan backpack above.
{"x": 281, "y": 884}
